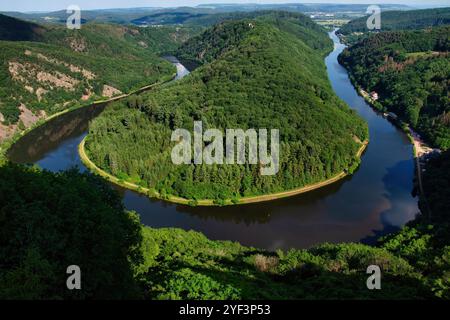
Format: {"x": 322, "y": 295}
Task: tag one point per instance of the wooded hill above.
{"x": 17, "y": 30}
{"x": 402, "y": 20}
{"x": 410, "y": 71}
{"x": 266, "y": 72}
{"x": 57, "y": 68}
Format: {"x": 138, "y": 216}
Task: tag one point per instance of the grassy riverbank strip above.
{"x": 207, "y": 202}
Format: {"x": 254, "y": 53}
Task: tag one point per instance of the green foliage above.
{"x": 254, "y": 74}
{"x": 415, "y": 261}
{"x": 186, "y": 284}
{"x": 222, "y": 37}
{"x": 126, "y": 58}
{"x": 424, "y": 243}
{"x": 51, "y": 221}
{"x": 435, "y": 183}
{"x": 189, "y": 266}
{"x": 410, "y": 70}
{"x": 402, "y": 20}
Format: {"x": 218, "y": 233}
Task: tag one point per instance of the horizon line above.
{"x": 231, "y": 4}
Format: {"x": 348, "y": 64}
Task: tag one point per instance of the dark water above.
{"x": 375, "y": 200}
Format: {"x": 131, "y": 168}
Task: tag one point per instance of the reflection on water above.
{"x": 55, "y": 138}
{"x": 376, "y": 199}
{"x": 181, "y": 70}
{"x": 399, "y": 197}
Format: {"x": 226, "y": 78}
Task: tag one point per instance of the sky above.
{"x": 53, "y": 5}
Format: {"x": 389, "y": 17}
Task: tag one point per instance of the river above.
{"x": 375, "y": 200}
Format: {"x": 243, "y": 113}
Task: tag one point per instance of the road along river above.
{"x": 375, "y": 200}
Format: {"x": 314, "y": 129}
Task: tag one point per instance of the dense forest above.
{"x": 410, "y": 71}
{"x": 62, "y": 68}
{"x": 254, "y": 73}
{"x": 212, "y": 43}
{"x": 51, "y": 221}
{"x": 402, "y": 20}
{"x": 415, "y": 261}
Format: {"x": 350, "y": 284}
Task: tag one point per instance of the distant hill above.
{"x": 402, "y": 20}
{"x": 209, "y": 14}
{"x": 178, "y": 16}
{"x": 13, "y": 29}
{"x": 121, "y": 16}
{"x": 164, "y": 16}
{"x": 302, "y": 7}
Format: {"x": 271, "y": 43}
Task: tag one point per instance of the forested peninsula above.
{"x": 265, "y": 72}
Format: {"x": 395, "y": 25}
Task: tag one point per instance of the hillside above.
{"x": 17, "y": 30}
{"x": 260, "y": 73}
{"x": 213, "y": 42}
{"x": 410, "y": 71}
{"x": 61, "y": 68}
{"x": 119, "y": 16}
{"x": 402, "y": 20}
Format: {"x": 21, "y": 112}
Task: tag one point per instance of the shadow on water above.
{"x": 397, "y": 192}
{"x": 375, "y": 200}
{"x": 47, "y": 138}
{"x": 264, "y": 212}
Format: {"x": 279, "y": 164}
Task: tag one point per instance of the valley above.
{"x": 87, "y": 177}
{"x": 59, "y": 70}
{"x": 278, "y": 223}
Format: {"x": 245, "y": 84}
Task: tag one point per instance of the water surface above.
{"x": 376, "y": 199}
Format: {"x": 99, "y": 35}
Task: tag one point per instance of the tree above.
{"x": 51, "y": 221}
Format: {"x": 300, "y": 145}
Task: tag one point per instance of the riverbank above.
{"x": 8, "y": 143}
{"x": 421, "y": 150}
{"x": 208, "y": 202}
{"x": 346, "y": 211}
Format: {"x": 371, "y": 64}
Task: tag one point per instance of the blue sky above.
{"x": 51, "y": 5}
